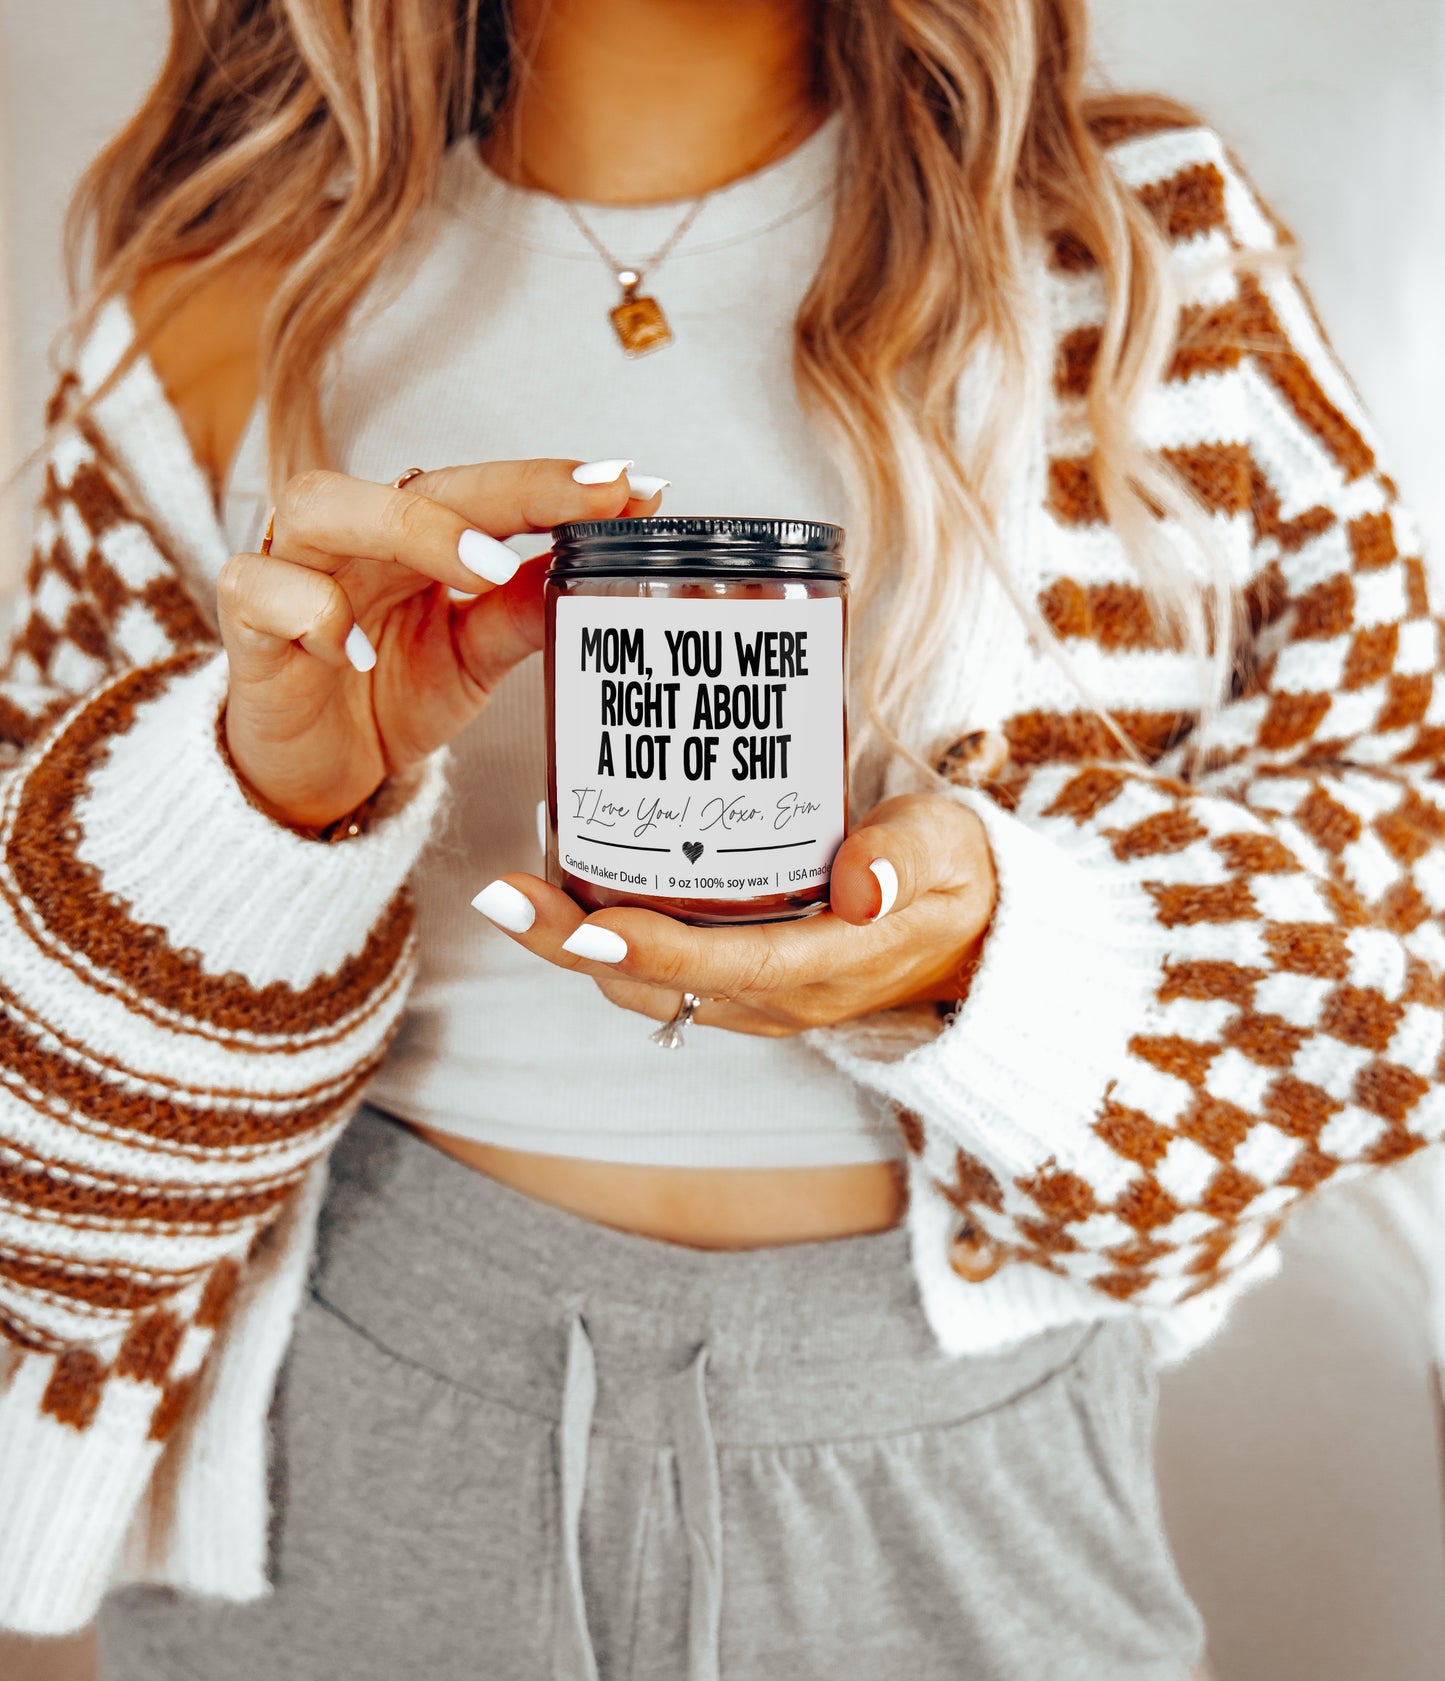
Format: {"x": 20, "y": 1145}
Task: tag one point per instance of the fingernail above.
{"x": 596, "y": 944}
{"x": 508, "y": 908}
{"x": 887, "y": 878}
{"x": 643, "y": 485}
{"x": 487, "y": 557}
{"x": 600, "y": 472}
{"x": 359, "y": 649}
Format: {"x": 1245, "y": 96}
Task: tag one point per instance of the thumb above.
{"x": 904, "y": 848}
{"x": 501, "y": 628}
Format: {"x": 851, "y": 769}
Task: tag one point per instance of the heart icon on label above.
{"x": 693, "y": 849}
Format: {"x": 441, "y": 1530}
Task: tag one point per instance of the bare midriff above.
{"x": 698, "y": 1207}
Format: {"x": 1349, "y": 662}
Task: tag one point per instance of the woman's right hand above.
{"x": 349, "y": 658}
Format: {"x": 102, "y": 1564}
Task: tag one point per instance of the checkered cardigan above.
{"x": 1209, "y": 987}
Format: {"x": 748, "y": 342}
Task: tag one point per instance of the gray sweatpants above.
{"x": 513, "y": 1445}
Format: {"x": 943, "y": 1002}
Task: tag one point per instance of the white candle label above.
{"x": 699, "y": 747}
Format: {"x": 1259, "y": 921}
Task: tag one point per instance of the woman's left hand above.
{"x": 912, "y": 892}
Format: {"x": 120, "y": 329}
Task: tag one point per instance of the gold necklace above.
{"x": 638, "y": 319}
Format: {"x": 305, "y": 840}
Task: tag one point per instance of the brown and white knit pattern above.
{"x": 193, "y": 999}
{"x": 1201, "y": 998}
{"x": 100, "y": 594}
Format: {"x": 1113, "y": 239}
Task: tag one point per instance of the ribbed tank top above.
{"x": 491, "y": 340}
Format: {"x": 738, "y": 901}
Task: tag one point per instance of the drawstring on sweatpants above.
{"x": 701, "y": 1499}
{"x": 573, "y": 1657}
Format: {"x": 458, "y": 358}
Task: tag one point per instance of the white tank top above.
{"x": 494, "y": 342}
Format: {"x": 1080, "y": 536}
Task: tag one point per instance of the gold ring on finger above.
{"x": 406, "y": 478}
{"x": 270, "y": 532}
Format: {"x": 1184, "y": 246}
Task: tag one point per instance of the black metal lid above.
{"x": 714, "y": 543}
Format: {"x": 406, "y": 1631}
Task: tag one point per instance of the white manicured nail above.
{"x": 600, "y": 472}
{"x": 542, "y": 825}
{"x": 643, "y": 485}
{"x": 596, "y": 944}
{"x": 508, "y": 908}
{"x": 487, "y": 557}
{"x": 887, "y": 878}
{"x": 359, "y": 649}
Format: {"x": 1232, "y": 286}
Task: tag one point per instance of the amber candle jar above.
{"x": 697, "y": 738}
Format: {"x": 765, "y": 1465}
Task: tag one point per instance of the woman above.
{"x": 826, "y": 1346}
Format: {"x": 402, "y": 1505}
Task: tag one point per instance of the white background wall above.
{"x": 9, "y": 444}
{"x": 70, "y": 72}
{"x": 1338, "y": 106}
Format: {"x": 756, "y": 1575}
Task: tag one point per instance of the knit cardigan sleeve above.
{"x": 1206, "y": 991}
{"x": 193, "y": 998}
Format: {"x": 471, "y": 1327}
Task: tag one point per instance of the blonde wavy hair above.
{"x": 314, "y": 129}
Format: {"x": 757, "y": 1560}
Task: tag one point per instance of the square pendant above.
{"x": 640, "y": 325}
